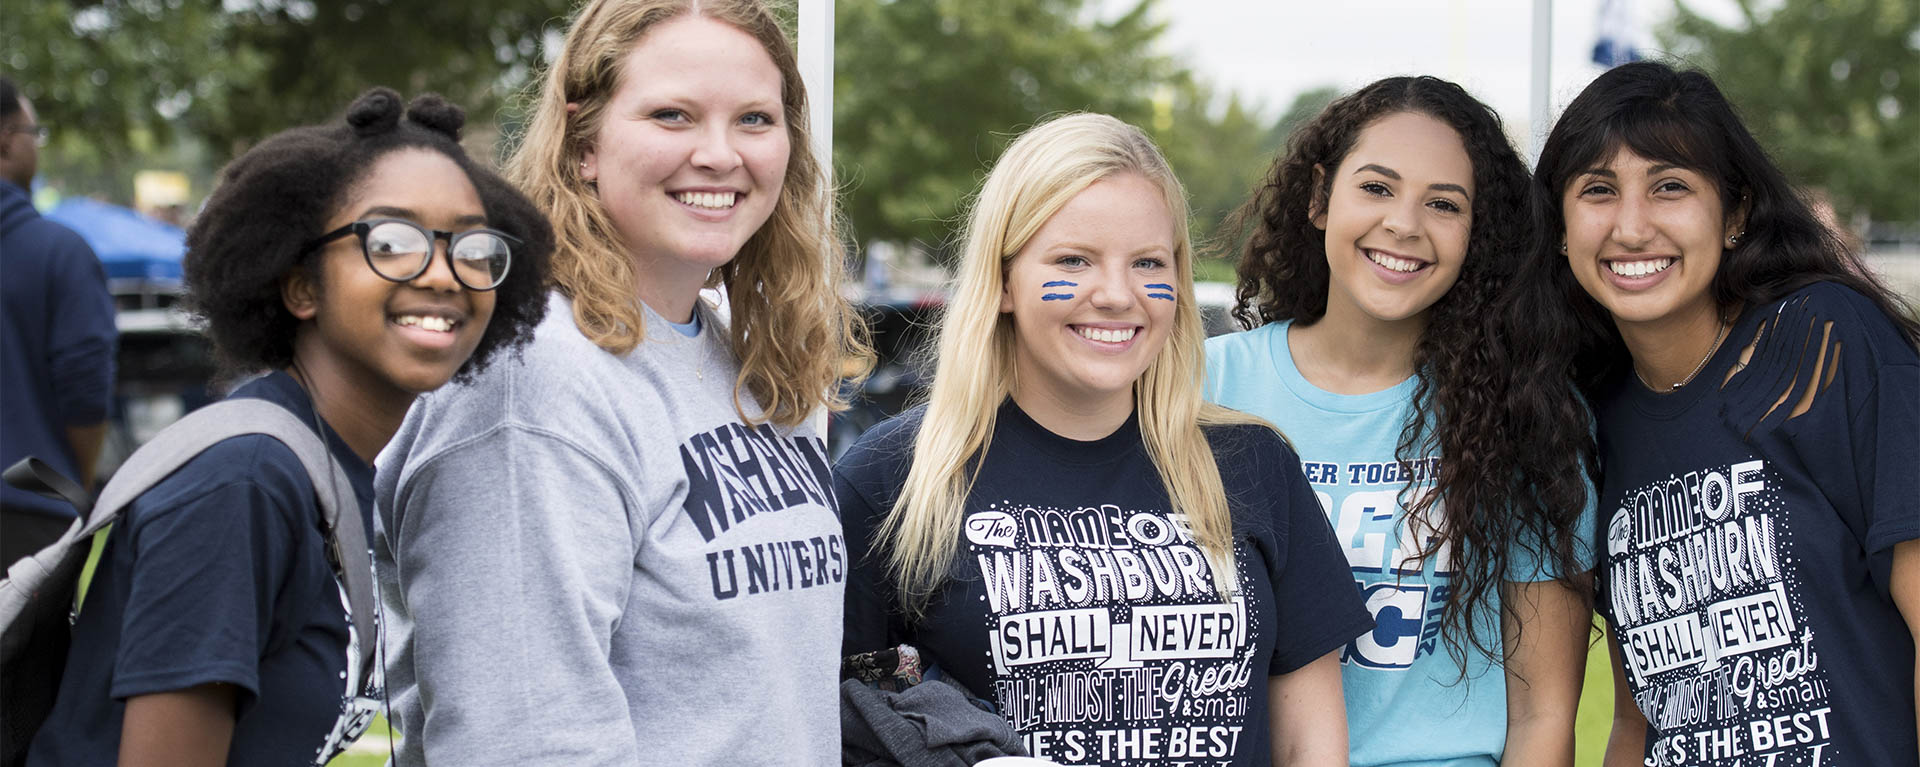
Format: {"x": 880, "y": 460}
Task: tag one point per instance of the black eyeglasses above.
{"x": 400, "y": 250}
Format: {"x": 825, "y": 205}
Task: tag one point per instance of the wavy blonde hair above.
{"x": 791, "y": 330}
{"x": 1038, "y": 174}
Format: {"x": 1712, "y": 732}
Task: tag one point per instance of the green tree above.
{"x": 125, "y": 79}
{"x": 1222, "y": 160}
{"x": 928, "y": 93}
{"x": 1218, "y": 158}
{"x": 1305, "y": 106}
{"x": 1830, "y": 87}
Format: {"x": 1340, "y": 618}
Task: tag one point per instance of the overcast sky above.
{"x": 1271, "y": 50}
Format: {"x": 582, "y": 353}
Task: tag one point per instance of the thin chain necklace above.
{"x": 1720, "y": 335}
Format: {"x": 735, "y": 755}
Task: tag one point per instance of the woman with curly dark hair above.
{"x": 357, "y": 264}
{"x": 1757, "y": 395}
{"x": 1453, "y": 467}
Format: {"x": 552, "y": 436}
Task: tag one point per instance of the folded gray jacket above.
{"x": 930, "y": 724}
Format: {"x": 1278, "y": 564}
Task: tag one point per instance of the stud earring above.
{"x": 1733, "y": 240}
{"x": 1563, "y": 247}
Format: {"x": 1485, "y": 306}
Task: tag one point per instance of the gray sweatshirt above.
{"x": 589, "y": 559}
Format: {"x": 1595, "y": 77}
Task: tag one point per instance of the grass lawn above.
{"x": 1596, "y": 707}
{"x": 370, "y": 750}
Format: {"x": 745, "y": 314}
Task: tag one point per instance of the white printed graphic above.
{"x": 1109, "y": 641}
{"x": 1404, "y": 590}
{"x": 1711, "y": 628}
{"x": 357, "y": 707}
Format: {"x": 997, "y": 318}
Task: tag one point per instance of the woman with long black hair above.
{"x": 1757, "y": 394}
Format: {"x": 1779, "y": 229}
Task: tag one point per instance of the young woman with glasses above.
{"x": 621, "y": 548}
{"x": 358, "y": 265}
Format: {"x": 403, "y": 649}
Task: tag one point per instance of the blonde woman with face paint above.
{"x": 1130, "y": 574}
{"x": 621, "y": 548}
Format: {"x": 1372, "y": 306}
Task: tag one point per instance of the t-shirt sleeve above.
{"x": 209, "y": 557}
{"x": 514, "y": 552}
{"x": 1317, "y": 602}
{"x": 868, "y": 471}
{"x": 1531, "y": 561}
{"x": 1860, "y": 434}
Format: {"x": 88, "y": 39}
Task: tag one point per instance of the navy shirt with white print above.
{"x": 1084, "y": 608}
{"x": 219, "y": 574}
{"x": 1748, "y": 549}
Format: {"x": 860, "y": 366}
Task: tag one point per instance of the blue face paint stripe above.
{"x": 1161, "y": 296}
{"x": 1066, "y": 284}
{"x": 1056, "y": 296}
{"x": 1161, "y": 286}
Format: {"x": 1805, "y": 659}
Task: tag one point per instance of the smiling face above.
{"x": 1397, "y": 217}
{"x": 1644, "y": 238}
{"x": 389, "y": 338}
{"x": 691, "y": 151}
{"x": 1092, "y": 297}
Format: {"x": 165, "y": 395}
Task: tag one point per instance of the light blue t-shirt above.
{"x": 1407, "y": 703}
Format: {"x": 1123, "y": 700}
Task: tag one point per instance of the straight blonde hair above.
{"x": 791, "y": 329}
{"x": 1038, "y": 174}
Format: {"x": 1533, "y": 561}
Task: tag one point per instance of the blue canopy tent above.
{"x": 132, "y": 246}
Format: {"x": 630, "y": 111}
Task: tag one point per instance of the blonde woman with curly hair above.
{"x": 1131, "y": 574}
{"x": 622, "y": 548}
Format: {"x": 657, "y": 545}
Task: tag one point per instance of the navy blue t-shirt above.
{"x": 1085, "y": 609}
{"x": 219, "y": 574}
{"x": 1748, "y": 549}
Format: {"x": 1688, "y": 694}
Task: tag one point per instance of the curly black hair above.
{"x": 278, "y": 197}
{"x": 1516, "y": 454}
{"x": 1680, "y": 118}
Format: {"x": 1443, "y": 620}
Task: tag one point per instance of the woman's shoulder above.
{"x": 884, "y": 450}
{"x": 560, "y": 374}
{"x": 1252, "y": 458}
{"x": 1246, "y": 344}
{"x": 1248, "y": 440}
{"x": 253, "y": 466}
{"x": 1819, "y": 351}
{"x": 1838, "y": 311}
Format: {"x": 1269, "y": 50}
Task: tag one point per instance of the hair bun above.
{"x": 376, "y": 111}
{"x": 431, "y": 111}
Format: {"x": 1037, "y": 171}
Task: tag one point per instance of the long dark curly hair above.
{"x": 1680, "y": 118}
{"x": 277, "y": 197}
{"x": 1516, "y": 454}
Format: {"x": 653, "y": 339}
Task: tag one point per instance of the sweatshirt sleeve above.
{"x": 82, "y": 335}
{"x": 515, "y": 554}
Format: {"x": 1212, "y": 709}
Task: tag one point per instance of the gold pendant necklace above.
{"x": 1720, "y": 336}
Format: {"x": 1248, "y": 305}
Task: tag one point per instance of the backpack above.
{"x": 37, "y": 597}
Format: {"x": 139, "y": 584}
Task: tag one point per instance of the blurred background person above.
{"x": 56, "y": 340}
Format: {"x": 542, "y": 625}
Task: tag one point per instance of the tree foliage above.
{"x": 928, "y": 92}
{"x": 1830, "y": 87}
{"x": 122, "y": 77}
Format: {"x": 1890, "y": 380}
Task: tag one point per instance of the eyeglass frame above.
{"x": 434, "y": 236}
{"x": 37, "y": 130}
